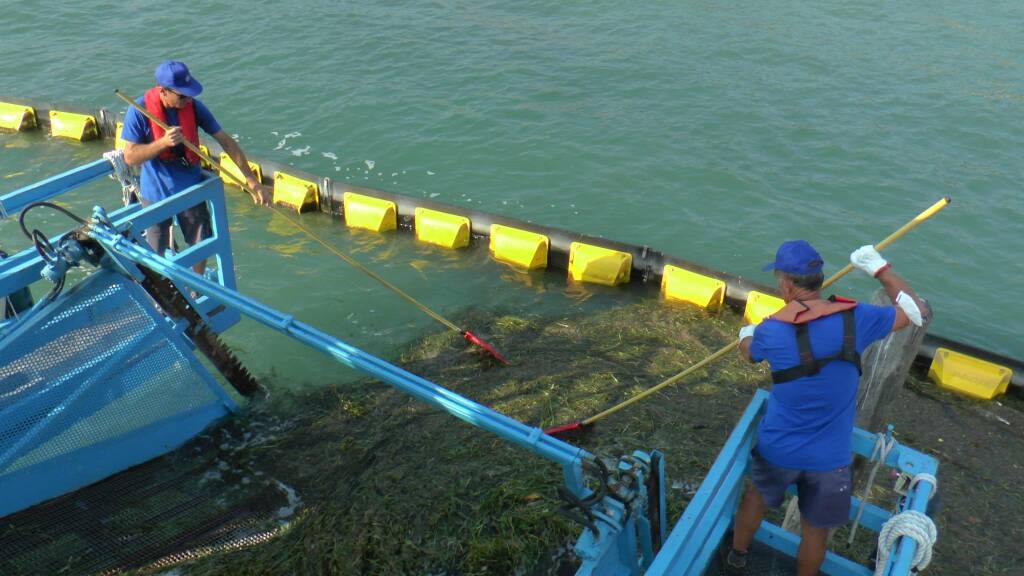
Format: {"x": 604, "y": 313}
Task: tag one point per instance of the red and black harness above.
{"x": 800, "y": 316}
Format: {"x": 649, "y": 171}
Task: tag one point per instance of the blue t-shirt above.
{"x": 161, "y": 179}
{"x": 809, "y": 421}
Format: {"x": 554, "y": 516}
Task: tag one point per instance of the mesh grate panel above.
{"x": 101, "y": 366}
{"x": 158, "y": 514}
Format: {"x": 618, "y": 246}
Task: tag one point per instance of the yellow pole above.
{"x": 931, "y": 211}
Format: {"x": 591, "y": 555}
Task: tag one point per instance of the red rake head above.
{"x": 572, "y": 431}
{"x": 474, "y": 340}
{"x": 555, "y": 430}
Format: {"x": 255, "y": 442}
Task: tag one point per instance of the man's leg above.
{"x": 195, "y": 227}
{"x": 824, "y": 504}
{"x": 767, "y": 489}
{"x": 158, "y": 236}
{"x": 812, "y": 549}
{"x": 748, "y": 518}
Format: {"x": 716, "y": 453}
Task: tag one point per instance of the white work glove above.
{"x": 747, "y": 332}
{"x": 869, "y": 260}
{"x": 909, "y": 307}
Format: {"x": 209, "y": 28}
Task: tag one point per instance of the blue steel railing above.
{"x": 23, "y": 269}
{"x": 707, "y": 517}
{"x": 13, "y": 202}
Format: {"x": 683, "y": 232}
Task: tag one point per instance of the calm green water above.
{"x": 711, "y": 131}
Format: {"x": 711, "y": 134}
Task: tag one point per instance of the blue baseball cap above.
{"x": 796, "y": 257}
{"x": 175, "y": 75}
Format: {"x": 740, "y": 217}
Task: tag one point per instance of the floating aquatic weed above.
{"x": 396, "y": 486}
{"x": 379, "y": 483}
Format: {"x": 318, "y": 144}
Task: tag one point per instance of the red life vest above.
{"x": 799, "y": 313}
{"x": 186, "y": 121}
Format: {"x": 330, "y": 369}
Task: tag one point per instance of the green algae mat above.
{"x": 360, "y": 479}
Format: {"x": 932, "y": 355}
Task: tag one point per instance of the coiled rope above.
{"x": 914, "y": 525}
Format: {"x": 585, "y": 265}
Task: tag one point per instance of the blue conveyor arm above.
{"x": 509, "y": 429}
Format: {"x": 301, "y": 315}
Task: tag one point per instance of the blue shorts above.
{"x": 194, "y": 223}
{"x": 824, "y": 496}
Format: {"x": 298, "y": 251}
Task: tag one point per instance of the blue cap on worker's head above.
{"x": 796, "y": 257}
{"x": 175, "y": 75}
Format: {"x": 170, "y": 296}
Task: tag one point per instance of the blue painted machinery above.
{"x": 113, "y": 347}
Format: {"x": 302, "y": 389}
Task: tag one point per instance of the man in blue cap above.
{"x": 168, "y": 167}
{"x": 813, "y": 346}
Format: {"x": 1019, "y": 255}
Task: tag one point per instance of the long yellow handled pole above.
{"x": 931, "y": 211}
{"x": 469, "y": 336}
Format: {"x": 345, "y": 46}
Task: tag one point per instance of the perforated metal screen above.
{"x": 98, "y": 383}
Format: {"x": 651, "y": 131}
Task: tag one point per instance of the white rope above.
{"x": 123, "y": 174}
{"x": 881, "y": 450}
{"x": 914, "y": 525}
{"x": 925, "y": 477}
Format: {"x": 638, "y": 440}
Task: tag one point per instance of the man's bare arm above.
{"x": 234, "y": 151}
{"x": 135, "y": 154}
{"x": 746, "y": 337}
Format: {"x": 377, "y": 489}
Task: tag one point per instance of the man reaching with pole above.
{"x": 168, "y": 167}
{"x": 813, "y": 346}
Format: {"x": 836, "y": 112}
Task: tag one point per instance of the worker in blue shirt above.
{"x": 813, "y": 346}
{"x": 168, "y": 167}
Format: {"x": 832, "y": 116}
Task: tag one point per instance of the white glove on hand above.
{"x": 909, "y": 307}
{"x": 869, "y": 260}
{"x": 747, "y": 332}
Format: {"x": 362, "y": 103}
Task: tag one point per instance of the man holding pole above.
{"x": 813, "y": 346}
{"x": 168, "y": 166}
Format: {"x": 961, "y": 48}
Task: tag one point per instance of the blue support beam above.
{"x": 13, "y": 202}
{"x": 787, "y": 543}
